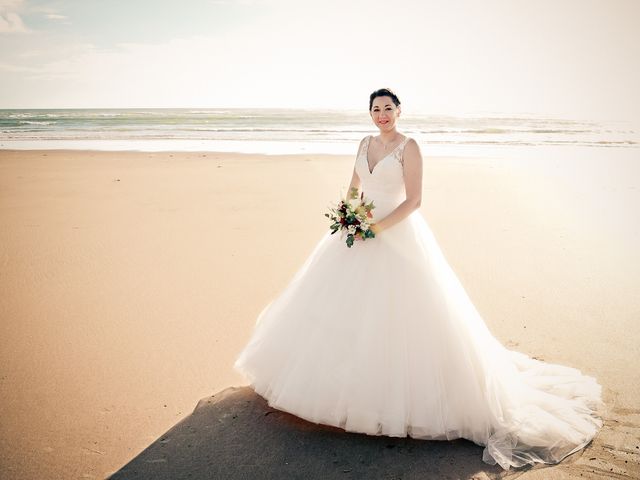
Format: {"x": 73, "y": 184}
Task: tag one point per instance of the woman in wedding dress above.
{"x": 382, "y": 339}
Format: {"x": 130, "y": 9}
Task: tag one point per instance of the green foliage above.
{"x": 349, "y": 240}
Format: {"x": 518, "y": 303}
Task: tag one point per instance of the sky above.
{"x": 568, "y": 58}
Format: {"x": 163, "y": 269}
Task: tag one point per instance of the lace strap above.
{"x": 365, "y": 145}
{"x": 400, "y": 150}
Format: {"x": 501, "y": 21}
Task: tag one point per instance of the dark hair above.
{"x": 384, "y": 92}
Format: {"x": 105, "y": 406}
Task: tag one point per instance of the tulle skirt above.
{"x": 382, "y": 339}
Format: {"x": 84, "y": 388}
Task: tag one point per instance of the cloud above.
{"x": 10, "y": 5}
{"x": 6, "y": 67}
{"x": 10, "y": 20}
{"x": 11, "y": 23}
{"x": 45, "y": 10}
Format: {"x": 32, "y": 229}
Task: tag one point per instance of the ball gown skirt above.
{"x": 382, "y": 339}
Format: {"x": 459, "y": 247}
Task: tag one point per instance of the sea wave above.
{"x": 315, "y": 128}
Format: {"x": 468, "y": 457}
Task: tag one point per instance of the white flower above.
{"x": 364, "y": 226}
{"x": 354, "y": 203}
{"x": 351, "y": 229}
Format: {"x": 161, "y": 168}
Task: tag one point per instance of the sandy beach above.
{"x": 130, "y": 280}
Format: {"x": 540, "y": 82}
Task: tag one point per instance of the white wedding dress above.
{"x": 381, "y": 338}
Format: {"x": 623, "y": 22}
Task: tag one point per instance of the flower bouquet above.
{"x": 351, "y": 216}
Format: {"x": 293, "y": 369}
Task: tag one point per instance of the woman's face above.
{"x": 384, "y": 113}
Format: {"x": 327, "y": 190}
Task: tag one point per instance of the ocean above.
{"x": 290, "y": 131}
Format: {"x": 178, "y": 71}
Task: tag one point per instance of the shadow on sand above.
{"x": 236, "y": 435}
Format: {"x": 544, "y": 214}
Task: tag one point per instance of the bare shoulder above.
{"x": 412, "y": 151}
{"x": 365, "y": 139}
{"x": 412, "y": 146}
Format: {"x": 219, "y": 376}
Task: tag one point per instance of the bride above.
{"x": 382, "y": 339}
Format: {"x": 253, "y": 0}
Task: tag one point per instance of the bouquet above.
{"x": 352, "y": 216}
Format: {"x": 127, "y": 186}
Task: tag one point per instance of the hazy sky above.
{"x": 575, "y": 58}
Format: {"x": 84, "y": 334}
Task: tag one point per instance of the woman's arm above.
{"x": 355, "y": 178}
{"x": 355, "y": 182}
{"x": 412, "y": 185}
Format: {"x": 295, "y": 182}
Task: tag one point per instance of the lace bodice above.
{"x": 385, "y": 183}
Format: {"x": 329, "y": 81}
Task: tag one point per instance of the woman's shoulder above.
{"x": 361, "y": 146}
{"x": 410, "y": 142}
{"x": 407, "y": 139}
{"x": 364, "y": 141}
{"x": 411, "y": 151}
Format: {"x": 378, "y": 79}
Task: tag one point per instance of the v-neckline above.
{"x": 366, "y": 155}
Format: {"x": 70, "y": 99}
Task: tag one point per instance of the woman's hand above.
{"x": 375, "y": 228}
